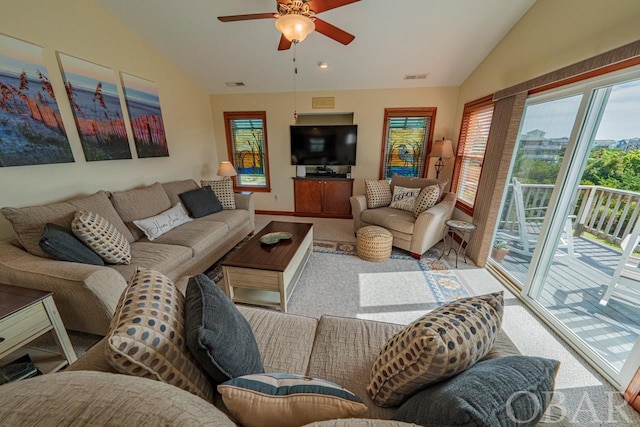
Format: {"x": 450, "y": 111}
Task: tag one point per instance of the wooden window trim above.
{"x": 239, "y": 115}
{"x": 403, "y": 112}
{"x": 457, "y": 167}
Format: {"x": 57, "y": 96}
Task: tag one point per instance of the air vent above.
{"x": 415, "y": 76}
{"x": 235, "y": 84}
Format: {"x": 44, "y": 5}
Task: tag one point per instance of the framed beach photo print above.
{"x": 31, "y": 129}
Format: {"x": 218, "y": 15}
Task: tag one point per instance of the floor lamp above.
{"x": 442, "y": 150}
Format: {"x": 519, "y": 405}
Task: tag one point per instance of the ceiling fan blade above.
{"x": 284, "y": 43}
{"x": 233, "y": 18}
{"x": 333, "y": 32}
{"x": 319, "y": 6}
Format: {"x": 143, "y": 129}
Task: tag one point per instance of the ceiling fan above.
{"x": 297, "y": 18}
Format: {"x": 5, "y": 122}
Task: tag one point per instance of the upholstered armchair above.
{"x": 412, "y": 231}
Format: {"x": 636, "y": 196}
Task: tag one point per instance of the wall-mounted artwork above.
{"x": 143, "y": 106}
{"x": 31, "y": 129}
{"x": 94, "y": 100}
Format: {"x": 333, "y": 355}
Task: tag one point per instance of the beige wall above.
{"x": 85, "y": 30}
{"x": 551, "y": 35}
{"x": 367, "y": 107}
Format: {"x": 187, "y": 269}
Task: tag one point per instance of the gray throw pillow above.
{"x": 218, "y": 335}
{"x": 63, "y": 245}
{"x": 512, "y": 390}
{"x": 201, "y": 202}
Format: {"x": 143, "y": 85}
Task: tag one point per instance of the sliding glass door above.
{"x": 570, "y": 217}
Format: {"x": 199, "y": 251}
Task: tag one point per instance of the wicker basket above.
{"x": 374, "y": 243}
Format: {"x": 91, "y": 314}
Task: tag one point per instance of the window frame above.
{"x": 458, "y": 167}
{"x": 247, "y": 115}
{"x": 407, "y": 112}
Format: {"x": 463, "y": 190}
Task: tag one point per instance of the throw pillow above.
{"x": 201, "y": 202}
{"x": 28, "y": 222}
{"x": 224, "y": 192}
{"x": 218, "y": 335}
{"x": 435, "y": 347}
{"x": 156, "y": 226}
{"x": 427, "y": 198}
{"x": 287, "y": 400}
{"x": 63, "y": 245}
{"x": 146, "y": 336}
{"x": 102, "y": 237}
{"x": 512, "y": 390}
{"x": 404, "y": 198}
{"x": 377, "y": 193}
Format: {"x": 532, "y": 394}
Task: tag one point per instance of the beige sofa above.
{"x": 415, "y": 235}
{"x": 341, "y": 350}
{"x": 86, "y": 295}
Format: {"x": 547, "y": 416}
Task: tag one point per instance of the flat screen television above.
{"x": 324, "y": 145}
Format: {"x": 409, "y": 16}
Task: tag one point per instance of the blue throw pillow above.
{"x": 218, "y": 335}
{"x": 201, "y": 202}
{"x": 508, "y": 391}
{"x": 63, "y": 245}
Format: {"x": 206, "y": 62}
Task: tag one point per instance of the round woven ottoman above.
{"x": 374, "y": 243}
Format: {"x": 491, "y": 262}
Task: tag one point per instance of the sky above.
{"x": 621, "y": 118}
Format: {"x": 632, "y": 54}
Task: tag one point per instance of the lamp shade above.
{"x": 442, "y": 148}
{"x": 295, "y": 27}
{"x": 226, "y": 169}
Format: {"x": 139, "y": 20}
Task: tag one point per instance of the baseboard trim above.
{"x": 304, "y": 214}
{"x": 283, "y": 213}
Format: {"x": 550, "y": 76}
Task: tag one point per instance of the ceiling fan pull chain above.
{"x": 295, "y": 73}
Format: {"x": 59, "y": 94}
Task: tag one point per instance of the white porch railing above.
{"x": 605, "y": 212}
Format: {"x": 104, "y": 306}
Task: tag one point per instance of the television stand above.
{"x": 323, "y": 196}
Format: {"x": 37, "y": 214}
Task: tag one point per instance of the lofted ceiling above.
{"x": 446, "y": 39}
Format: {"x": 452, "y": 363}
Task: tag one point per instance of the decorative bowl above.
{"x": 273, "y": 238}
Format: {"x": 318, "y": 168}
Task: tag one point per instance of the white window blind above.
{"x": 472, "y": 144}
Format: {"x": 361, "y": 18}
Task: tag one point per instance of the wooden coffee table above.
{"x": 262, "y": 274}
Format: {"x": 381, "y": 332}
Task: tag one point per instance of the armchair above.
{"x": 415, "y": 235}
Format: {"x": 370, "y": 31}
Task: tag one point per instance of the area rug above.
{"x": 336, "y": 282}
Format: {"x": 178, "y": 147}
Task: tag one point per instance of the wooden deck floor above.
{"x": 572, "y": 294}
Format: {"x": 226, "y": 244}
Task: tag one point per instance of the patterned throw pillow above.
{"x": 435, "y": 347}
{"x": 287, "y": 400}
{"x": 105, "y": 240}
{"x": 427, "y": 198}
{"x": 146, "y": 337}
{"x": 378, "y": 193}
{"x": 224, "y": 192}
{"x": 156, "y": 226}
{"x": 404, "y": 198}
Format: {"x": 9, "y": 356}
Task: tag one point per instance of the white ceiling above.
{"x": 446, "y": 38}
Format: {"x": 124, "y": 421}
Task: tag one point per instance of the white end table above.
{"x": 26, "y": 314}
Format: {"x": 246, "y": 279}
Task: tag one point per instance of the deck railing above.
{"x": 605, "y": 212}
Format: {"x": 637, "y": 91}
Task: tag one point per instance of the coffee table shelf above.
{"x": 266, "y": 275}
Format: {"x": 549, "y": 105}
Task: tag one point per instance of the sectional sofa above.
{"x": 100, "y": 390}
{"x": 86, "y": 295}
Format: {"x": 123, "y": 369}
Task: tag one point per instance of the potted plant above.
{"x": 499, "y": 251}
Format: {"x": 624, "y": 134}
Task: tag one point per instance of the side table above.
{"x": 464, "y": 230}
{"x": 26, "y": 314}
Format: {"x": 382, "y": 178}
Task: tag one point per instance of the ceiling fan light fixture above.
{"x": 295, "y": 27}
